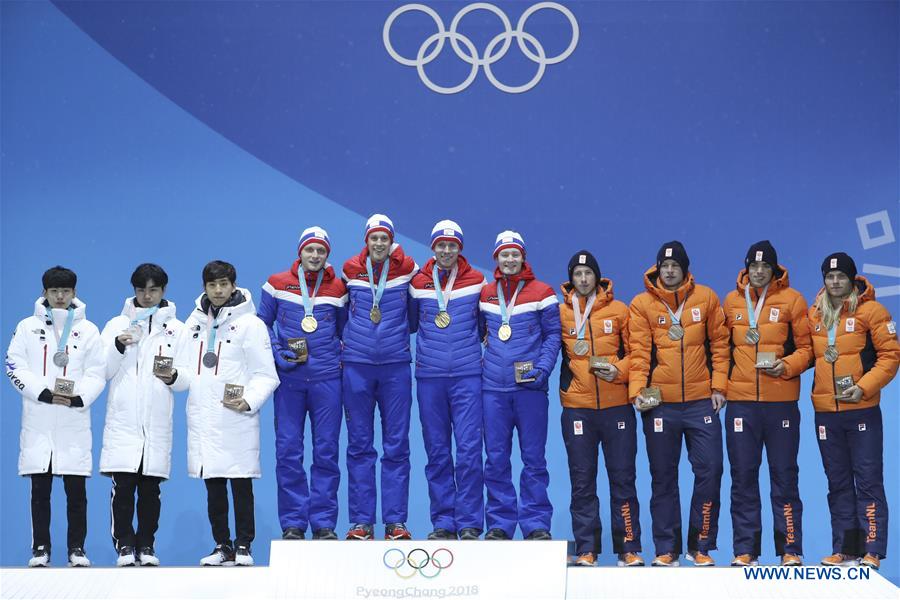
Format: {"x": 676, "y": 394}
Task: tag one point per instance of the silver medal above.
{"x": 752, "y": 336}
{"x": 582, "y": 347}
{"x": 210, "y": 360}
{"x": 676, "y": 332}
{"x": 831, "y": 354}
{"x": 60, "y": 359}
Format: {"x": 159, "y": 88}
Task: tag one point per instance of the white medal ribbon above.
{"x": 753, "y": 313}
{"x": 443, "y": 296}
{"x": 579, "y": 322}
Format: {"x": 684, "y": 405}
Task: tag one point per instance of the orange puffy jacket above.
{"x": 783, "y": 329}
{"x": 686, "y": 369}
{"x": 867, "y": 349}
{"x": 607, "y": 333}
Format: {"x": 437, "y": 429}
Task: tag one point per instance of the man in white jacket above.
{"x": 224, "y": 357}
{"x": 56, "y": 362}
{"x": 137, "y": 437}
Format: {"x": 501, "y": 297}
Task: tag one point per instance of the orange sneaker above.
{"x": 585, "y": 559}
{"x": 666, "y": 560}
{"x": 840, "y": 560}
{"x": 744, "y": 560}
{"x": 700, "y": 559}
{"x": 871, "y": 560}
{"x": 791, "y": 560}
{"x": 630, "y": 559}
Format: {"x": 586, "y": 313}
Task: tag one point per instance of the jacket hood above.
{"x": 463, "y": 267}
{"x": 865, "y": 290}
{"x": 400, "y": 263}
{"x": 40, "y": 310}
{"x": 525, "y": 274}
{"x": 328, "y": 276}
{"x": 604, "y": 292}
{"x": 651, "y": 277}
{"x": 779, "y": 280}
{"x": 240, "y": 303}
{"x": 166, "y": 310}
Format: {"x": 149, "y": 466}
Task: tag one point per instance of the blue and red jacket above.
{"x": 536, "y": 333}
{"x": 388, "y": 341}
{"x": 456, "y": 350}
{"x": 281, "y": 309}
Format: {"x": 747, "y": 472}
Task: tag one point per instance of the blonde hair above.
{"x": 828, "y": 313}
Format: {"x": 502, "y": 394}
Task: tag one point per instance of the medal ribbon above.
{"x": 144, "y": 315}
{"x": 832, "y": 331}
{"x": 579, "y": 322}
{"x": 753, "y": 313}
{"x": 304, "y": 291}
{"x": 377, "y": 292}
{"x": 448, "y": 289}
{"x": 212, "y": 325}
{"x": 62, "y": 340}
{"x": 504, "y": 308}
{"x": 675, "y": 316}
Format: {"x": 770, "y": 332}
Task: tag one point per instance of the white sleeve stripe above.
{"x": 457, "y": 293}
{"x": 318, "y": 301}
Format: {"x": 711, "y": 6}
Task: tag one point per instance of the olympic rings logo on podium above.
{"x": 465, "y": 49}
{"x": 419, "y": 560}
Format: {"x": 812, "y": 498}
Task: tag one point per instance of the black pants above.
{"x": 217, "y": 506}
{"x": 124, "y": 486}
{"x": 76, "y": 509}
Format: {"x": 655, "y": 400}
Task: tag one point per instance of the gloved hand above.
{"x": 284, "y": 358}
{"x": 540, "y": 379}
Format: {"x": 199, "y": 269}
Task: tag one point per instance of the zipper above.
{"x": 837, "y": 405}
{"x": 756, "y": 345}
{"x": 681, "y": 341}
{"x": 596, "y": 383}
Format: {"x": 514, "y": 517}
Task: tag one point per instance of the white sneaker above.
{"x": 125, "y": 557}
{"x": 77, "y": 558}
{"x": 40, "y": 557}
{"x": 147, "y": 557}
{"x": 242, "y": 556}
{"x": 221, "y": 555}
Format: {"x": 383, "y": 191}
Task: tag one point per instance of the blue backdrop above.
{"x": 181, "y": 132}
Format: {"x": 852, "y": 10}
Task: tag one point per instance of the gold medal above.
{"x": 582, "y": 347}
{"x": 752, "y": 336}
{"x": 505, "y": 332}
{"x": 309, "y": 324}
{"x": 676, "y": 332}
{"x": 375, "y": 315}
{"x": 831, "y": 354}
{"x": 442, "y": 319}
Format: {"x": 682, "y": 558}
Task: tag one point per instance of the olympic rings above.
{"x": 418, "y": 560}
{"x": 465, "y": 49}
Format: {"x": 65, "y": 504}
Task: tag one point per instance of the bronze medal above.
{"x": 60, "y": 359}
{"x": 309, "y": 324}
{"x": 442, "y": 319}
{"x": 752, "y": 336}
{"x": 375, "y": 315}
{"x": 505, "y": 332}
{"x": 831, "y": 354}
{"x": 676, "y": 332}
{"x": 210, "y": 360}
{"x": 581, "y": 347}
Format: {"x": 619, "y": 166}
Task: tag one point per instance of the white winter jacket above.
{"x": 52, "y": 435}
{"x": 221, "y": 441}
{"x": 139, "y": 406}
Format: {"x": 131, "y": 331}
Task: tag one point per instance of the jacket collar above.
{"x": 671, "y": 297}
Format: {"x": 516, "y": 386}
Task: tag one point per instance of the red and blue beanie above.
{"x": 379, "y": 223}
{"x": 508, "y": 239}
{"x": 313, "y": 235}
{"x": 446, "y": 231}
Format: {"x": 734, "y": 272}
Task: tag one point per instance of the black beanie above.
{"x": 674, "y": 250}
{"x": 839, "y": 261}
{"x": 583, "y": 257}
{"x": 762, "y": 251}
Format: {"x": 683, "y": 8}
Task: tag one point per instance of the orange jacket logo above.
{"x": 873, "y": 527}
{"x": 789, "y": 524}
{"x": 626, "y": 516}
{"x": 707, "y": 519}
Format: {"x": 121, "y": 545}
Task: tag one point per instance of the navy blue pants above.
{"x": 615, "y": 429}
{"x": 301, "y": 503}
{"x": 526, "y": 412}
{"x": 450, "y": 410}
{"x": 664, "y": 427}
{"x": 852, "y": 443}
{"x": 390, "y": 388}
{"x": 748, "y": 427}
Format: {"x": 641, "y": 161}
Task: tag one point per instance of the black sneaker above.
{"x": 396, "y": 531}
{"x": 496, "y": 534}
{"x": 293, "y": 533}
{"x": 325, "y": 533}
{"x": 126, "y": 557}
{"x": 77, "y": 558}
{"x": 242, "y": 556}
{"x": 442, "y": 534}
{"x": 469, "y": 533}
{"x": 222, "y": 554}
{"x": 146, "y": 557}
{"x": 40, "y": 557}
{"x": 539, "y": 534}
